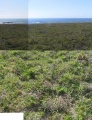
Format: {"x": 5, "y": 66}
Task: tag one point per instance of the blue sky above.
{"x": 46, "y": 8}
{"x": 13, "y": 8}
{"x": 60, "y": 8}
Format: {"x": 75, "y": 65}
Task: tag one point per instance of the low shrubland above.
{"x": 53, "y": 85}
{"x": 62, "y": 36}
{"x": 13, "y": 36}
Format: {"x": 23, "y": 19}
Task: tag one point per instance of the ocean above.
{"x": 45, "y": 20}
{"x": 13, "y": 21}
{"x": 58, "y": 20}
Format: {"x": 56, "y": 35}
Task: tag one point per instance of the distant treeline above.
{"x": 14, "y": 36}
{"x": 62, "y": 36}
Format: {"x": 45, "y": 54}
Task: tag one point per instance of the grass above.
{"x": 53, "y": 85}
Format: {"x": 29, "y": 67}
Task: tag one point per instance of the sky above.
{"x": 45, "y": 8}
{"x": 13, "y": 8}
{"x": 60, "y": 8}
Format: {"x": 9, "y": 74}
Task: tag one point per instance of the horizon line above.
{"x": 60, "y": 17}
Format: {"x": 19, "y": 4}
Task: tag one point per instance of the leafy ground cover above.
{"x": 62, "y": 36}
{"x": 47, "y": 85}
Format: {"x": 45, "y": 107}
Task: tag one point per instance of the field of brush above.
{"x": 49, "y": 74}
{"x": 13, "y": 36}
{"x": 64, "y": 36}
{"x": 53, "y": 85}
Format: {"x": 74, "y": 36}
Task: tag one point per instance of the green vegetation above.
{"x": 56, "y": 85}
{"x": 65, "y": 36}
{"x": 13, "y": 36}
